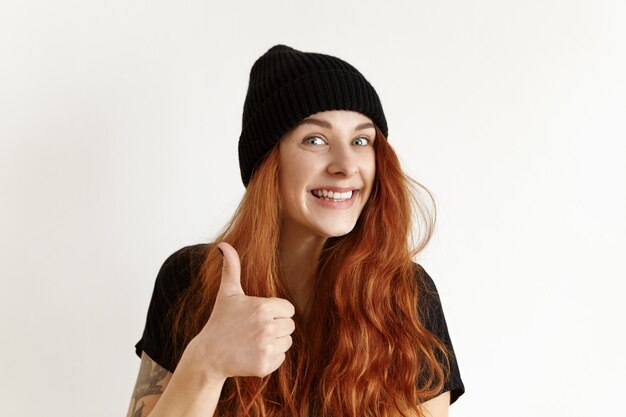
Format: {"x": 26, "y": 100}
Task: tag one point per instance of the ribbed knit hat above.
{"x": 286, "y": 86}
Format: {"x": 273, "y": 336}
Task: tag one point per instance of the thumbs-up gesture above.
{"x": 245, "y": 336}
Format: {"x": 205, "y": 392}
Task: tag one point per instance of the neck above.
{"x": 299, "y": 254}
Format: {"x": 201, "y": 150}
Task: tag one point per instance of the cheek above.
{"x": 295, "y": 168}
{"x": 291, "y": 183}
{"x": 369, "y": 169}
{"x": 368, "y": 173}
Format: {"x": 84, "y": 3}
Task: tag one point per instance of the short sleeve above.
{"x": 174, "y": 276}
{"x": 435, "y": 322}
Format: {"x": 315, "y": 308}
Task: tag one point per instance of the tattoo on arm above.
{"x": 148, "y": 383}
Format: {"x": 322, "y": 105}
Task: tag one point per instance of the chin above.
{"x": 336, "y": 231}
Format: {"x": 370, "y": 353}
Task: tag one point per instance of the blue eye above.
{"x": 314, "y": 140}
{"x": 362, "y": 141}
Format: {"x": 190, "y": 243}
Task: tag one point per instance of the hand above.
{"x": 245, "y": 336}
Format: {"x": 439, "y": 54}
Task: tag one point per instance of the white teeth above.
{"x": 332, "y": 195}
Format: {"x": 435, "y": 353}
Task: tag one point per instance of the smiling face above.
{"x": 327, "y": 170}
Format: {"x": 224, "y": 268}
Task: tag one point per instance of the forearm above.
{"x": 190, "y": 392}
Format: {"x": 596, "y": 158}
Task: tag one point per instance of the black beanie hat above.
{"x": 286, "y": 86}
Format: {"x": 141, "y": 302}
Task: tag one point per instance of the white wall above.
{"x": 118, "y": 128}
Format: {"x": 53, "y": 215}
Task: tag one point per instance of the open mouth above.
{"x": 333, "y": 196}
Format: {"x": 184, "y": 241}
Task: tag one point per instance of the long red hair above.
{"x": 365, "y": 351}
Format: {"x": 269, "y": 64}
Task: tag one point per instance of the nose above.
{"x": 342, "y": 161}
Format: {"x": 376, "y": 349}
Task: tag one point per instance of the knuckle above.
{"x": 266, "y": 368}
{"x": 265, "y": 330}
{"x": 262, "y": 310}
{"x": 266, "y": 349}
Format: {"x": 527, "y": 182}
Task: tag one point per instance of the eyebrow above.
{"x": 327, "y": 125}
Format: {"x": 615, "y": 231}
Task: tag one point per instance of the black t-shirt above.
{"x": 176, "y": 274}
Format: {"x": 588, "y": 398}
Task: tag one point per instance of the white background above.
{"x": 119, "y": 122}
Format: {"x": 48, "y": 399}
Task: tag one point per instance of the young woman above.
{"x": 309, "y": 303}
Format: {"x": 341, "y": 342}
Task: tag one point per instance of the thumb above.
{"x": 231, "y": 271}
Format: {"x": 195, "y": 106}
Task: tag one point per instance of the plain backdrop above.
{"x": 119, "y": 122}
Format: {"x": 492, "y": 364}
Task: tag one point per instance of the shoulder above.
{"x": 426, "y": 285}
{"x": 422, "y": 277}
{"x": 186, "y": 257}
{"x": 174, "y": 277}
{"x": 432, "y": 315}
{"x": 179, "y": 268}
{"x": 429, "y": 302}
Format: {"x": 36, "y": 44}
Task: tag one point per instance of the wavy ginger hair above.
{"x": 365, "y": 350}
